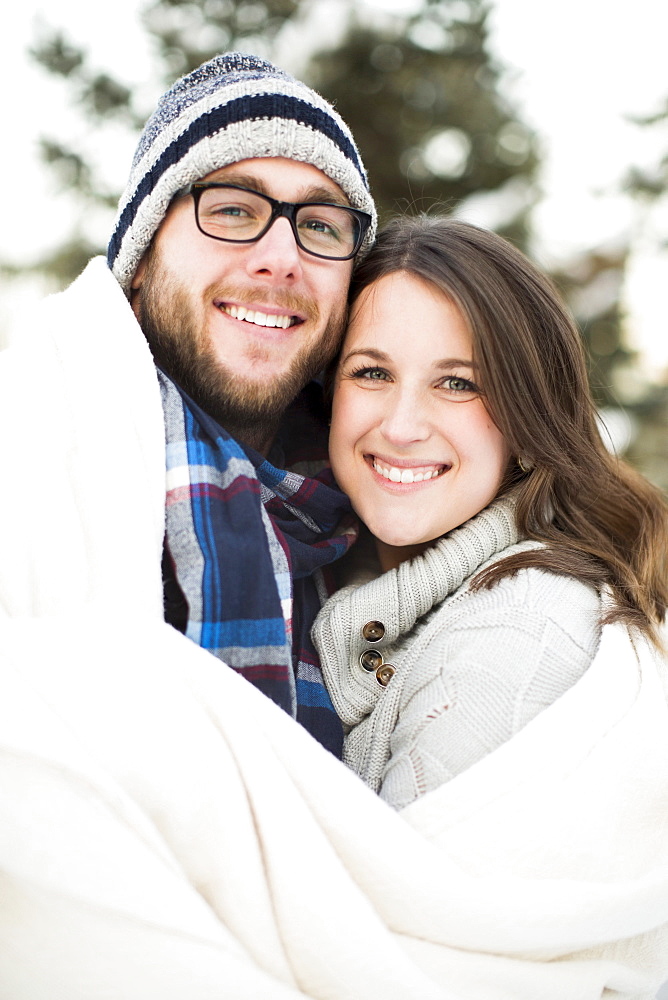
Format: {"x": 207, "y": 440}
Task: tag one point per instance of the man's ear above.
{"x": 138, "y": 276}
{"x": 135, "y": 285}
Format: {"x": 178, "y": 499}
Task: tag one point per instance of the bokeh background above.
{"x": 545, "y": 121}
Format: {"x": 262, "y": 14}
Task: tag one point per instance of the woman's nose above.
{"x": 406, "y": 420}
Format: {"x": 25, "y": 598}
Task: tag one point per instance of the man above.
{"x": 235, "y": 241}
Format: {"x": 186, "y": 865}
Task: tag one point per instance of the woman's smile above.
{"x": 406, "y": 472}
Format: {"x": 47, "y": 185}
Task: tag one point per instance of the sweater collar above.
{"x": 397, "y": 600}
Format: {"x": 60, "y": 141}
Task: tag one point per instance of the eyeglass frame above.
{"x": 279, "y": 209}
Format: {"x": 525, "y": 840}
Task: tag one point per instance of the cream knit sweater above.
{"x": 471, "y": 668}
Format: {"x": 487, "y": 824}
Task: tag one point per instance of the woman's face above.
{"x": 411, "y": 442}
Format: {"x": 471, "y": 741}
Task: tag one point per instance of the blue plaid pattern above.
{"x": 243, "y": 542}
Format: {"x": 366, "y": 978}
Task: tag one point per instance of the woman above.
{"x": 464, "y": 432}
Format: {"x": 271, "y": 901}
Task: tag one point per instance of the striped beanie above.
{"x": 234, "y": 107}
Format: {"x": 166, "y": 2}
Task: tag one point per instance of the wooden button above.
{"x": 384, "y": 674}
{"x": 373, "y": 631}
{"x": 371, "y": 660}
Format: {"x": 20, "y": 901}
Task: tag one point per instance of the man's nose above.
{"x": 275, "y": 256}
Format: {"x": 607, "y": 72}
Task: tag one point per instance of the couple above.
{"x": 168, "y": 831}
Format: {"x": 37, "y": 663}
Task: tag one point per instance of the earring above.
{"x": 525, "y": 464}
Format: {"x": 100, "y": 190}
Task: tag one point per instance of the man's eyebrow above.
{"x": 315, "y": 193}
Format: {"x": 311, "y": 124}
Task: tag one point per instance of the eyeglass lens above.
{"x": 233, "y": 214}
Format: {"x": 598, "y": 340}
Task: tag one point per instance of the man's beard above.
{"x": 249, "y": 410}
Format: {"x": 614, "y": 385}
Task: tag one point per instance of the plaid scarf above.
{"x": 243, "y": 540}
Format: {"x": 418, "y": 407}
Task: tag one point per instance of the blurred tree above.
{"x": 422, "y": 98}
{"x": 439, "y": 133}
{"x": 649, "y": 449}
{"x": 187, "y": 32}
{"x": 592, "y": 284}
{"x": 648, "y": 185}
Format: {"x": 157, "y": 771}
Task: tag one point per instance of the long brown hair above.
{"x": 600, "y": 520}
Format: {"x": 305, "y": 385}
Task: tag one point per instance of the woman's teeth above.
{"x": 259, "y": 318}
{"x": 396, "y": 475}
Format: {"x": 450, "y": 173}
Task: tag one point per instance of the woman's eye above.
{"x": 370, "y": 374}
{"x": 460, "y": 387}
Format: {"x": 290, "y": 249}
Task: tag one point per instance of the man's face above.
{"x": 190, "y": 291}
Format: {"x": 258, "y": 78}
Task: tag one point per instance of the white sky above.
{"x": 575, "y": 68}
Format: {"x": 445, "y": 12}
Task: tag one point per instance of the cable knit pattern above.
{"x": 472, "y": 668}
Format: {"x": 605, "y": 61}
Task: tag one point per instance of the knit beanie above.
{"x": 234, "y": 107}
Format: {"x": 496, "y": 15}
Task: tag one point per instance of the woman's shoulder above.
{"x": 535, "y": 585}
{"x": 521, "y": 608}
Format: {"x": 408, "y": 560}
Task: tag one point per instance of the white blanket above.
{"x": 167, "y": 832}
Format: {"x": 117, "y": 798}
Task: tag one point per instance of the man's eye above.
{"x": 319, "y": 227}
{"x": 234, "y": 211}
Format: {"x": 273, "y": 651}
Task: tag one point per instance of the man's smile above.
{"x": 259, "y": 317}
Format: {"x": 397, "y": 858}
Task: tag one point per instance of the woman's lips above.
{"x": 404, "y": 474}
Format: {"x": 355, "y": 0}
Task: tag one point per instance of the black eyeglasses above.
{"x": 238, "y": 215}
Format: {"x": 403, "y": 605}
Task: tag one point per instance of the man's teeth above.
{"x": 396, "y": 475}
{"x": 259, "y": 318}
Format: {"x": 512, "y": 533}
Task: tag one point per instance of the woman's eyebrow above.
{"x": 367, "y": 352}
{"x": 373, "y": 352}
{"x": 455, "y": 362}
